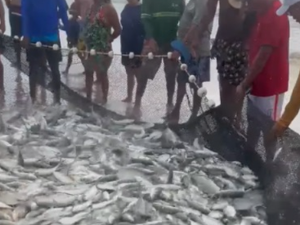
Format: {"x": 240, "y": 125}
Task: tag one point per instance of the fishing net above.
{"x": 279, "y": 177}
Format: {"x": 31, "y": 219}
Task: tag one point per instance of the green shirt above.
{"x": 160, "y": 19}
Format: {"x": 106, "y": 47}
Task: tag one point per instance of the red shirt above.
{"x": 271, "y": 30}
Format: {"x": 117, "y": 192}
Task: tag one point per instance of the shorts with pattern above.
{"x": 199, "y": 68}
{"x": 232, "y": 60}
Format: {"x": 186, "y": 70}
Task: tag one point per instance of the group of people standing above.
{"x": 251, "y": 48}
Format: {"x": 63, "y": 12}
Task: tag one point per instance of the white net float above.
{"x": 74, "y": 50}
{"x": 93, "y": 52}
{"x": 16, "y": 37}
{"x": 211, "y": 103}
{"x": 111, "y": 54}
{"x": 33, "y": 206}
{"x": 38, "y": 44}
{"x": 150, "y": 55}
{"x": 202, "y": 92}
{"x": 192, "y": 78}
{"x": 131, "y": 55}
{"x": 183, "y": 67}
{"x": 169, "y": 55}
{"x": 55, "y": 47}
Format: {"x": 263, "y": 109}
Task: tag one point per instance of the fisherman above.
{"x": 160, "y": 19}
{"x": 269, "y": 64}
{"x": 15, "y": 20}
{"x": 40, "y": 21}
{"x": 200, "y": 65}
{"x": 2, "y": 29}
{"x": 229, "y": 49}
{"x": 132, "y": 39}
{"x": 292, "y": 7}
{"x": 73, "y": 34}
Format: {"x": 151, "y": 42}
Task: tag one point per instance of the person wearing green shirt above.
{"x": 160, "y": 20}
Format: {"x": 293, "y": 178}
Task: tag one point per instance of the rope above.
{"x": 201, "y": 91}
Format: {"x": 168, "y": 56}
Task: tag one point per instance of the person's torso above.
{"x": 273, "y": 79}
{"x": 15, "y": 7}
{"x": 85, "y": 6}
{"x": 166, "y": 15}
{"x": 97, "y": 31}
{"x": 193, "y": 8}
{"x": 230, "y": 23}
{"x": 132, "y": 35}
{"x": 43, "y": 18}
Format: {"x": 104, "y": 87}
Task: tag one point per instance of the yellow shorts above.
{"x": 81, "y": 45}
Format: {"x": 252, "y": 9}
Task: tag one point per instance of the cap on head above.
{"x": 285, "y": 6}
{"x": 237, "y": 4}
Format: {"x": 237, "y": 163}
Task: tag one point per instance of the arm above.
{"x": 25, "y": 22}
{"x": 199, "y": 13}
{"x": 269, "y": 39}
{"x": 114, "y": 21}
{"x": 62, "y": 13}
{"x": 146, "y": 15}
{"x": 211, "y": 8}
{"x": 292, "y": 108}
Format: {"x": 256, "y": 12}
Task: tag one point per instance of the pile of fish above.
{"x": 61, "y": 166}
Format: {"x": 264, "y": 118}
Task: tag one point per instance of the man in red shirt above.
{"x": 268, "y": 57}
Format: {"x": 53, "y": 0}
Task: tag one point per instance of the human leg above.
{"x": 182, "y": 80}
{"x": 170, "y": 69}
{"x": 70, "y": 59}
{"x": 54, "y": 58}
{"x": 102, "y": 67}
{"x": 232, "y": 67}
{"x": 89, "y": 72}
{"x": 131, "y": 67}
{"x": 147, "y": 71}
{"x": 16, "y": 31}
{"x": 35, "y": 59}
{"x": 271, "y": 107}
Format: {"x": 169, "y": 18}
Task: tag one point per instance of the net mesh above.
{"x": 279, "y": 178}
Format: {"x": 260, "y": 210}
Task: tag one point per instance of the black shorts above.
{"x": 232, "y": 60}
{"x": 15, "y": 24}
{"x": 133, "y": 63}
{"x": 35, "y": 54}
{"x": 72, "y": 42}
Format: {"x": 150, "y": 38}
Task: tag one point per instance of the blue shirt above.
{"x": 133, "y": 34}
{"x": 40, "y": 19}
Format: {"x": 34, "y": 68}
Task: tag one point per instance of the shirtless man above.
{"x": 228, "y": 49}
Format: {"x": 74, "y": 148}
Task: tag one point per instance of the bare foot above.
{"x": 136, "y": 113}
{"x": 173, "y": 117}
{"x": 127, "y": 99}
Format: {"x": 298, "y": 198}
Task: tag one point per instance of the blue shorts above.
{"x": 200, "y": 69}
